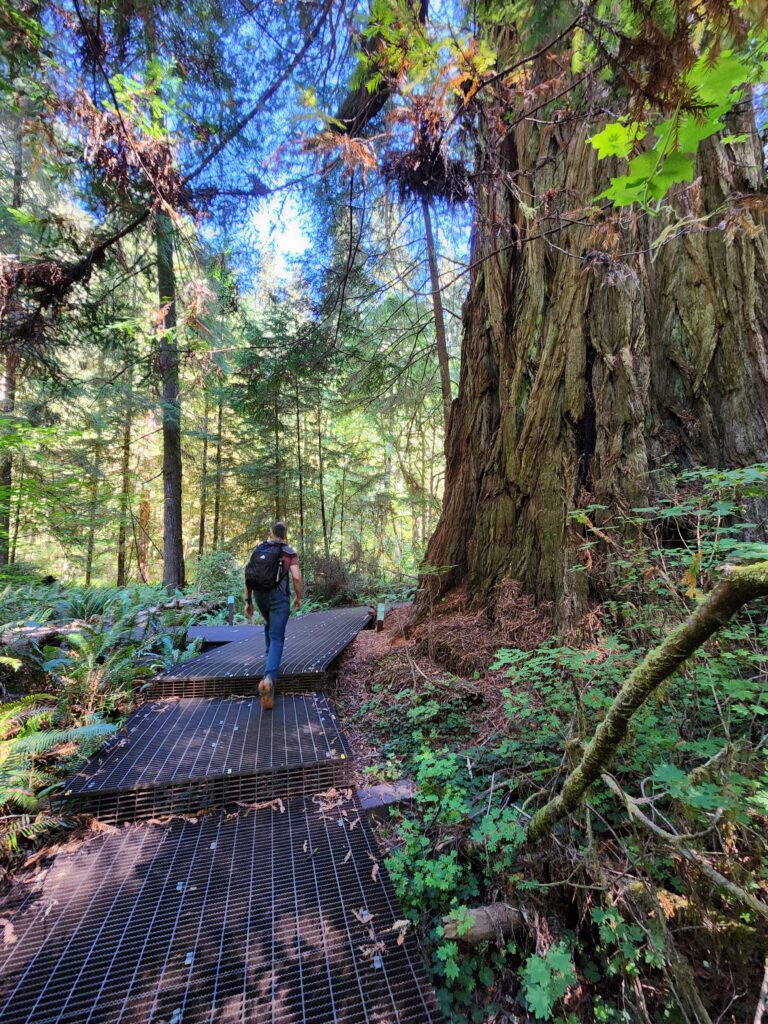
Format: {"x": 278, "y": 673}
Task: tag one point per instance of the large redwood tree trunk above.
{"x": 579, "y": 378}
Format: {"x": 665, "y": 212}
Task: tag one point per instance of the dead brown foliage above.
{"x": 126, "y": 158}
{"x": 392, "y": 658}
{"x": 465, "y": 641}
{"x": 425, "y": 169}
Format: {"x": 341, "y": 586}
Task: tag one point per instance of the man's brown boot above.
{"x": 266, "y": 692}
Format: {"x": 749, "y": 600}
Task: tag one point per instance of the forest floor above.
{"x": 444, "y": 703}
{"x": 483, "y": 714}
{"x": 451, "y": 652}
{"x": 378, "y": 672}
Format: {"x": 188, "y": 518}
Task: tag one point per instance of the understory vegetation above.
{"x": 74, "y": 664}
{"x": 649, "y": 903}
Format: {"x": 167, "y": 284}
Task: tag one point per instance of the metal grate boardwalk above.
{"x": 312, "y": 644}
{"x": 261, "y": 917}
{"x": 215, "y": 635}
{"x": 179, "y": 756}
{"x": 212, "y": 636}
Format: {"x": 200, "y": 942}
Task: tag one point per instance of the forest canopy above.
{"x": 148, "y": 165}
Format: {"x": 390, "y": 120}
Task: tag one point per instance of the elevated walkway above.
{"x": 312, "y": 644}
{"x": 278, "y": 914}
{"x": 261, "y": 898}
{"x": 181, "y": 756}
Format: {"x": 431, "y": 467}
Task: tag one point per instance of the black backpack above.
{"x": 265, "y": 569}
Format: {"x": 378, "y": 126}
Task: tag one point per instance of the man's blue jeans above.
{"x": 275, "y": 606}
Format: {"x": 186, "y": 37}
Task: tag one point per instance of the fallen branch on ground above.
{"x": 484, "y": 924}
{"x": 739, "y": 586}
{"x": 676, "y": 842}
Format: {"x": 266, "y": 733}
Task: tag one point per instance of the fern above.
{"x": 41, "y": 742}
{"x": 13, "y": 795}
{"x": 29, "y": 766}
{"x": 17, "y": 712}
{"x": 23, "y": 826}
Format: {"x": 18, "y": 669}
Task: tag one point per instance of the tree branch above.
{"x": 263, "y": 99}
{"x": 739, "y": 585}
{"x": 763, "y": 998}
{"x": 676, "y": 842}
{"x": 361, "y": 106}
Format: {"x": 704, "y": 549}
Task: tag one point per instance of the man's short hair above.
{"x": 278, "y": 530}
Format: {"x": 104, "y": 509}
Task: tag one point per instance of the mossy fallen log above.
{"x": 738, "y": 586}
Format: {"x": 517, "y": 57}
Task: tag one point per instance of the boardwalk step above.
{"x": 259, "y": 917}
{"x": 180, "y": 756}
{"x": 313, "y": 642}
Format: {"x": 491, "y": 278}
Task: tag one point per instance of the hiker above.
{"x": 268, "y": 575}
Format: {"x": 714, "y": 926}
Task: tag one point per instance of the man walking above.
{"x": 267, "y": 576}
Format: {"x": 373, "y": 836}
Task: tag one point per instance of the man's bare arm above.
{"x": 297, "y": 586}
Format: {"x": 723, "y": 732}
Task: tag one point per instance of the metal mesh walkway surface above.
{"x": 179, "y": 756}
{"x": 212, "y": 636}
{"x": 312, "y": 644}
{"x": 280, "y": 917}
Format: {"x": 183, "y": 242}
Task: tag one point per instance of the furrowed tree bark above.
{"x": 583, "y": 378}
{"x": 12, "y": 364}
{"x": 300, "y": 470}
{"x": 92, "y": 512}
{"x": 738, "y": 586}
{"x": 437, "y": 308}
{"x": 17, "y": 512}
{"x": 321, "y": 480}
{"x": 93, "y": 484}
{"x": 278, "y": 455}
{"x": 173, "y": 549}
{"x": 93, "y": 501}
{"x": 7, "y": 411}
{"x": 142, "y": 541}
{"x": 342, "y": 510}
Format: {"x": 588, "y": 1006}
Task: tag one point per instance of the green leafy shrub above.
{"x": 546, "y": 979}
{"x": 694, "y": 758}
{"x": 219, "y": 575}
